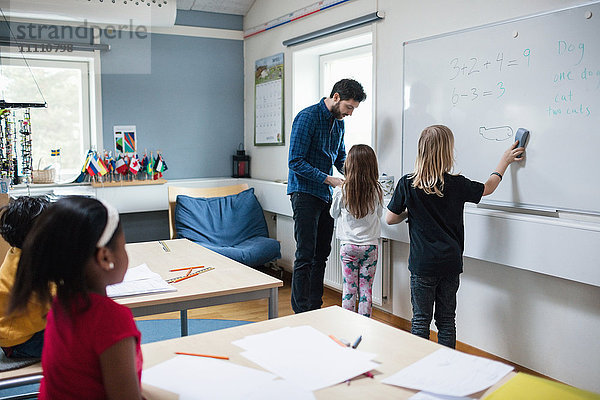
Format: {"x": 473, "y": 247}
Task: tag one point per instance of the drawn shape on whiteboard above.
{"x": 497, "y": 133}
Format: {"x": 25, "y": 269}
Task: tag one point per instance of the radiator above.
{"x": 381, "y": 282}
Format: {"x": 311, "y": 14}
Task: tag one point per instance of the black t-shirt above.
{"x": 435, "y": 224}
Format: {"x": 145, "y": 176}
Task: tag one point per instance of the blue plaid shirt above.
{"x": 316, "y": 144}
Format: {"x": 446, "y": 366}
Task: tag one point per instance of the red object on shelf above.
{"x": 241, "y": 165}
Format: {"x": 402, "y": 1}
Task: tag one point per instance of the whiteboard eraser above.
{"x": 522, "y": 136}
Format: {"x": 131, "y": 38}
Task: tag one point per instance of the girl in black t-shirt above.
{"x": 433, "y": 200}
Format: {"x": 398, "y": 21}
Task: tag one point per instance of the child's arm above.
{"x": 118, "y": 364}
{"x": 393, "y": 218}
{"x": 507, "y": 158}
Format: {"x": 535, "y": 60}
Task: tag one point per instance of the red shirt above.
{"x": 73, "y": 345}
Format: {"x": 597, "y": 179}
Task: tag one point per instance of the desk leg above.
{"x": 184, "y": 322}
{"x": 273, "y": 303}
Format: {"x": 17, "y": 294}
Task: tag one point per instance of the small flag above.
{"x": 109, "y": 162}
{"x": 134, "y": 164}
{"x": 54, "y": 152}
{"x": 87, "y": 161}
{"x": 149, "y": 166}
{"x": 103, "y": 167}
{"x": 121, "y": 165}
{"x": 144, "y": 162}
{"x": 95, "y": 166}
{"x": 159, "y": 166}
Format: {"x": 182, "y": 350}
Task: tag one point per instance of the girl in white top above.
{"x": 357, "y": 208}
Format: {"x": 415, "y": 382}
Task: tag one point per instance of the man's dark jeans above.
{"x": 424, "y": 292}
{"x": 313, "y": 229}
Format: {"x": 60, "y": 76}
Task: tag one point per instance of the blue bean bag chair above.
{"x": 233, "y": 226}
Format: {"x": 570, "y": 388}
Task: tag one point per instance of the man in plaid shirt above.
{"x": 316, "y": 145}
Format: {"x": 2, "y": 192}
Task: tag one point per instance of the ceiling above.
{"x": 238, "y": 7}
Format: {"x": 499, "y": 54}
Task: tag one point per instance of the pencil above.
{"x": 164, "y": 246}
{"x": 202, "y": 355}
{"x": 185, "y": 269}
{"x": 185, "y": 277}
{"x": 337, "y": 340}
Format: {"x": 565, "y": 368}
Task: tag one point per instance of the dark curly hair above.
{"x": 349, "y": 89}
{"x": 18, "y": 216}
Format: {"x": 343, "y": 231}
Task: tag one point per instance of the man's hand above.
{"x": 333, "y": 181}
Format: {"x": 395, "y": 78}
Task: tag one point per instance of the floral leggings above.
{"x": 358, "y": 268}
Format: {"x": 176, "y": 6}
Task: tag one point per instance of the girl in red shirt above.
{"x": 91, "y": 345}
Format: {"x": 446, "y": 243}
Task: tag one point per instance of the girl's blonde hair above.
{"x": 361, "y": 189}
{"x": 434, "y": 158}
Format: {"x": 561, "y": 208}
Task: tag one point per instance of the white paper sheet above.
{"x": 280, "y": 389}
{"x": 433, "y": 396}
{"x": 450, "y": 372}
{"x": 306, "y": 357}
{"x": 139, "y": 280}
{"x": 201, "y": 378}
{"x": 140, "y": 272}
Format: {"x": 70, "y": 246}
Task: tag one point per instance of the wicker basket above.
{"x": 43, "y": 175}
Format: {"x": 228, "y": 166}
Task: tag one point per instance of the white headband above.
{"x": 112, "y": 221}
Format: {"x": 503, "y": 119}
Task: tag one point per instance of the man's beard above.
{"x": 335, "y": 111}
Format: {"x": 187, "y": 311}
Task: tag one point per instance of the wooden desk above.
{"x": 395, "y": 350}
{"x": 229, "y": 282}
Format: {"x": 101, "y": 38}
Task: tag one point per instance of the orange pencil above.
{"x": 202, "y": 355}
{"x": 337, "y": 340}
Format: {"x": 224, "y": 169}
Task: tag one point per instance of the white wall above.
{"x": 544, "y": 323}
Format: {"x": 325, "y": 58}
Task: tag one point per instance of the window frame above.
{"x": 306, "y": 82}
{"x": 91, "y": 87}
{"x": 360, "y": 50}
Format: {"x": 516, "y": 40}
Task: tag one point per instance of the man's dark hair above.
{"x": 349, "y": 89}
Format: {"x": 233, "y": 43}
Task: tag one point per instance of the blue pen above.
{"x": 357, "y": 342}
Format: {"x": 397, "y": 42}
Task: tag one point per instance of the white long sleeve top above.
{"x": 363, "y": 231}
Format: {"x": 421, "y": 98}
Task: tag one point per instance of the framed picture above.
{"x": 125, "y": 138}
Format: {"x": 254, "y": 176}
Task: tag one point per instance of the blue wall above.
{"x": 190, "y": 106}
{"x": 184, "y": 94}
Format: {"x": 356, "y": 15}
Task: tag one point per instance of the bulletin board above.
{"x": 268, "y": 101}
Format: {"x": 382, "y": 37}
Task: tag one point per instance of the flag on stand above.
{"x": 113, "y": 164}
{"x": 134, "y": 164}
{"x": 144, "y": 162}
{"x": 159, "y": 166}
{"x": 95, "y": 165}
{"x": 103, "y": 167}
{"x": 150, "y": 165}
{"x": 87, "y": 161}
{"x": 109, "y": 162}
{"x": 81, "y": 176}
{"x": 121, "y": 165}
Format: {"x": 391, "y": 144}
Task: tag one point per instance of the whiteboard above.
{"x": 539, "y": 72}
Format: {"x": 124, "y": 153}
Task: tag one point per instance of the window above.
{"x": 68, "y": 123}
{"x": 357, "y": 64}
{"x": 316, "y": 68}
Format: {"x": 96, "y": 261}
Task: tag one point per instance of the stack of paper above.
{"x": 201, "y": 378}
{"x": 451, "y": 373}
{"x": 306, "y": 357}
{"x": 139, "y": 280}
